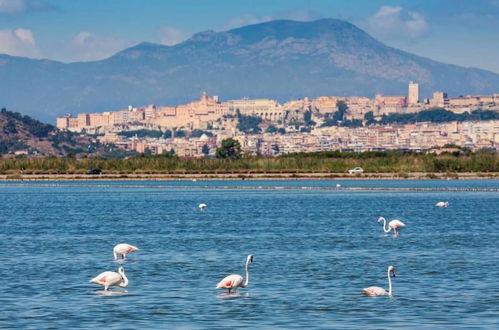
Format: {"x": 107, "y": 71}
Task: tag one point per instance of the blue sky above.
{"x": 463, "y": 32}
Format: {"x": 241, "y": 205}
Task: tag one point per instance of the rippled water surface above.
{"x": 314, "y": 251}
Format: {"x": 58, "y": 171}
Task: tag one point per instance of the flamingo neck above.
{"x": 384, "y": 226}
{"x": 247, "y": 274}
{"x": 123, "y": 284}
{"x": 389, "y": 284}
{"x": 115, "y": 255}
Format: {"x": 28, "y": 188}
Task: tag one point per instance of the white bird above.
{"x": 107, "y": 279}
{"x": 338, "y": 185}
{"x": 376, "y": 290}
{"x": 394, "y": 224}
{"x": 232, "y": 282}
{"x": 202, "y": 207}
{"x": 442, "y": 204}
{"x": 123, "y": 249}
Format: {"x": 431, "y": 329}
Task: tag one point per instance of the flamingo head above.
{"x": 380, "y": 219}
{"x": 121, "y": 270}
{"x": 250, "y": 258}
{"x": 391, "y": 269}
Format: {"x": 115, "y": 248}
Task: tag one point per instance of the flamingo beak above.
{"x": 394, "y": 274}
{"x": 251, "y": 259}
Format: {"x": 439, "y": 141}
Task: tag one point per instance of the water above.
{"x": 314, "y": 251}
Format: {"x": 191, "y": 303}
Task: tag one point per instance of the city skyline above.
{"x": 92, "y": 30}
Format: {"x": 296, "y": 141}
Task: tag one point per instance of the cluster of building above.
{"x": 414, "y": 137}
{"x": 220, "y": 118}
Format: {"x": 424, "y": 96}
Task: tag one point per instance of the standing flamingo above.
{"x": 376, "y": 290}
{"x": 123, "y": 249}
{"x": 202, "y": 207}
{"x": 442, "y": 204}
{"x": 232, "y": 282}
{"x": 394, "y": 224}
{"x": 107, "y": 279}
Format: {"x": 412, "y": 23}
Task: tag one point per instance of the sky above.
{"x": 462, "y": 32}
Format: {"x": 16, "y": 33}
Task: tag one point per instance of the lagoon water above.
{"x": 314, "y": 251}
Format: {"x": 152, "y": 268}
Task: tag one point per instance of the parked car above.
{"x": 94, "y": 171}
{"x": 356, "y": 170}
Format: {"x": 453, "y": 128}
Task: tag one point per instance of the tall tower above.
{"x": 413, "y": 94}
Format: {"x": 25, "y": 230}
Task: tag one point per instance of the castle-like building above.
{"x": 208, "y": 111}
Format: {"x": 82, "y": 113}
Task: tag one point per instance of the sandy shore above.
{"x": 248, "y": 176}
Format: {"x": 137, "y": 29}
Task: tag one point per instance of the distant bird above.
{"x": 202, "y": 207}
{"x": 232, "y": 282}
{"x": 338, "y": 185}
{"x": 394, "y": 224}
{"x": 123, "y": 249}
{"x": 107, "y": 279}
{"x": 442, "y": 204}
{"x": 376, "y": 290}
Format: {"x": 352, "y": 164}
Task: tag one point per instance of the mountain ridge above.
{"x": 280, "y": 59}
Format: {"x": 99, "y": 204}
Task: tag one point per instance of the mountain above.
{"x": 279, "y": 59}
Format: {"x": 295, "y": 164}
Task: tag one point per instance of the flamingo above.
{"x": 232, "y": 282}
{"x": 202, "y": 207}
{"x": 107, "y": 279}
{"x": 376, "y": 290}
{"x": 442, "y": 204}
{"x": 394, "y": 224}
{"x": 123, "y": 249}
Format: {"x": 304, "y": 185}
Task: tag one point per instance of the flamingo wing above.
{"x": 230, "y": 282}
{"x": 124, "y": 248}
{"x": 374, "y": 291}
{"x": 107, "y": 278}
{"x": 396, "y": 224}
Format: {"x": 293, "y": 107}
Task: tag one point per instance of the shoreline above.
{"x": 248, "y": 176}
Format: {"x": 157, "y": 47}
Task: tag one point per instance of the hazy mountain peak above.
{"x": 280, "y": 59}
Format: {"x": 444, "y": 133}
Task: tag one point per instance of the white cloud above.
{"x": 86, "y": 46}
{"x": 12, "y": 6}
{"x": 170, "y": 36}
{"x": 18, "y": 42}
{"x": 396, "y": 22}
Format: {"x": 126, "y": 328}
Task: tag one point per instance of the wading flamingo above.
{"x": 376, "y": 290}
{"x": 202, "y": 207}
{"x": 442, "y": 204}
{"x": 232, "y": 282}
{"x": 394, "y": 224}
{"x": 107, "y": 279}
{"x": 123, "y": 249}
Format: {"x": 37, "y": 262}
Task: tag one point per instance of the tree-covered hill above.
{"x": 22, "y": 135}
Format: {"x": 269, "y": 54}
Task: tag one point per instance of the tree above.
{"x": 271, "y": 129}
{"x": 369, "y": 117}
{"x": 205, "y": 150}
{"x": 342, "y": 110}
{"x": 230, "y": 148}
{"x": 307, "y": 118}
{"x": 248, "y": 124}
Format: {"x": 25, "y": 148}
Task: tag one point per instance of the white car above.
{"x": 356, "y": 170}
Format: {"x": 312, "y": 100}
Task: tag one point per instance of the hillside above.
{"x": 23, "y": 135}
{"x": 279, "y": 59}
